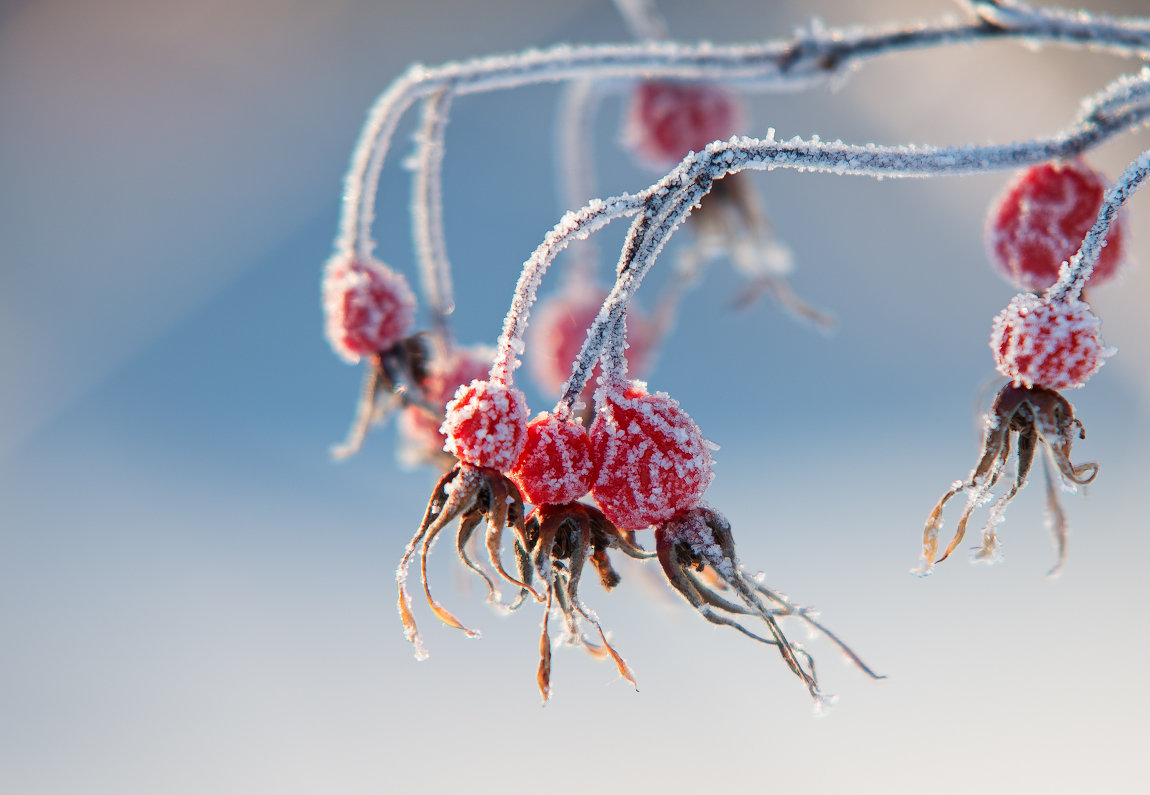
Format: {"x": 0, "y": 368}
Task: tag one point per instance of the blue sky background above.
{"x": 194, "y": 598}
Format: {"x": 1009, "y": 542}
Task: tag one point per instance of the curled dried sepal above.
{"x": 394, "y": 379}
{"x": 560, "y": 540}
{"x": 1032, "y": 416}
{"x": 700, "y": 540}
{"x": 467, "y": 493}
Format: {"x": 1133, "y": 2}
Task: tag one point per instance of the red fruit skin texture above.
{"x": 1040, "y": 219}
{"x": 368, "y": 308}
{"x": 556, "y": 465}
{"x": 668, "y": 119}
{"x": 419, "y": 430}
{"x": 652, "y": 459}
{"x": 560, "y": 328}
{"x": 1046, "y": 344}
{"x": 486, "y": 425}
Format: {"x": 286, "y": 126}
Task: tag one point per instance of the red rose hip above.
{"x": 1047, "y": 344}
{"x": 652, "y": 458}
{"x": 1040, "y": 220}
{"x": 555, "y": 466}
{"x": 368, "y": 307}
{"x": 486, "y": 425}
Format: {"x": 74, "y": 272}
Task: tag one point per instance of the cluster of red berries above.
{"x": 644, "y": 459}
{"x": 1036, "y": 226}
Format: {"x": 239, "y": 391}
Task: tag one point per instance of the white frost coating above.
{"x": 486, "y": 425}
{"x": 1054, "y": 345}
{"x": 427, "y": 214}
{"x": 652, "y": 458}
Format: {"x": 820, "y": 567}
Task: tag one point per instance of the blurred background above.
{"x": 194, "y": 598}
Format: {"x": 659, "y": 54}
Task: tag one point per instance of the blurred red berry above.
{"x": 486, "y": 425}
{"x": 555, "y": 466}
{"x": 560, "y": 329}
{"x": 668, "y": 119}
{"x": 1055, "y": 345}
{"x": 368, "y": 307}
{"x": 1040, "y": 220}
{"x": 652, "y": 458}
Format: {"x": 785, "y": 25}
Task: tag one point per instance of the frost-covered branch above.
{"x": 667, "y": 203}
{"x": 809, "y": 58}
{"x": 427, "y": 214}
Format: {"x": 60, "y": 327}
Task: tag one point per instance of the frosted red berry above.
{"x": 560, "y": 328}
{"x": 652, "y": 459}
{"x": 367, "y": 306}
{"x": 420, "y": 430}
{"x": 1056, "y": 345}
{"x": 1039, "y": 222}
{"x": 668, "y": 119}
{"x": 486, "y": 425}
{"x": 555, "y": 466}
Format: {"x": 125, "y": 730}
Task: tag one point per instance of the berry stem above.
{"x": 427, "y": 216}
{"x": 574, "y": 144}
{"x": 1073, "y": 276}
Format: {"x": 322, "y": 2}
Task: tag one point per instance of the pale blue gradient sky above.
{"x": 194, "y": 599}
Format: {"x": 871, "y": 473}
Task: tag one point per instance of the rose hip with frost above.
{"x": 1048, "y": 344}
{"x": 368, "y": 307}
{"x": 652, "y": 458}
{"x": 1039, "y": 222}
{"x": 486, "y": 425}
{"x": 555, "y": 466}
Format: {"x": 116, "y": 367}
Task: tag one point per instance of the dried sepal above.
{"x": 699, "y": 540}
{"x": 393, "y": 380}
{"x": 561, "y": 540}
{"x": 1027, "y": 417}
{"x": 469, "y": 494}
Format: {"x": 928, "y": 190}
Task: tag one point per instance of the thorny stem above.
{"x": 810, "y": 57}
{"x": 427, "y": 216}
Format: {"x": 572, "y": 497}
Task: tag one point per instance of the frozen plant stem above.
{"x": 668, "y": 202}
{"x": 807, "y": 59}
{"x": 427, "y": 216}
